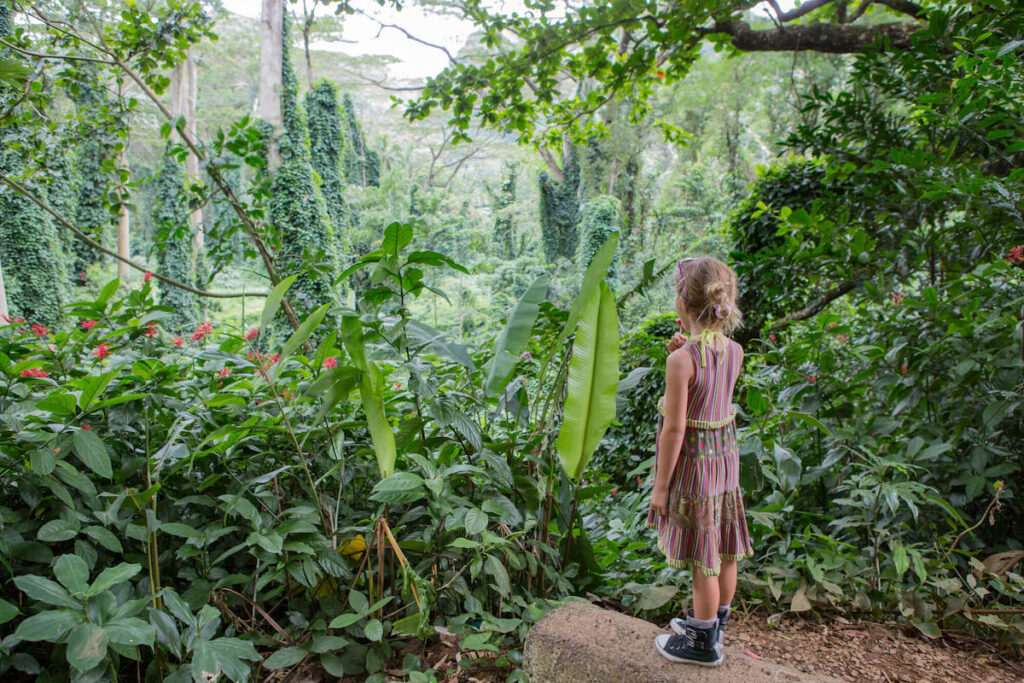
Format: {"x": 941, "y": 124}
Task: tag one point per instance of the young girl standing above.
{"x": 697, "y": 504}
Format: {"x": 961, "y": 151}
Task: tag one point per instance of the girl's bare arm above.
{"x": 678, "y": 373}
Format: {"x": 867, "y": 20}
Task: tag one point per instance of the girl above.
{"x": 697, "y": 504}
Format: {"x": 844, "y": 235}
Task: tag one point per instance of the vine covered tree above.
{"x": 297, "y": 208}
{"x": 361, "y": 164}
{"x": 504, "y": 226}
{"x": 599, "y": 218}
{"x": 326, "y": 145}
{"x": 559, "y": 208}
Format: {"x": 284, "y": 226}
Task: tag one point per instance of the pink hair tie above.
{"x": 722, "y": 312}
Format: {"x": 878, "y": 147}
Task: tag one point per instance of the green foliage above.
{"x": 30, "y": 252}
{"x": 760, "y": 242}
{"x": 361, "y": 164}
{"x": 175, "y": 253}
{"x": 559, "y": 209}
{"x": 599, "y": 218}
{"x": 326, "y": 146}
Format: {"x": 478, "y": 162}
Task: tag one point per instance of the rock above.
{"x": 581, "y": 643}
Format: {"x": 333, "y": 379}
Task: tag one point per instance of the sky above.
{"x": 415, "y": 60}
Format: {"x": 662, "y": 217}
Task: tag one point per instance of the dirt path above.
{"x": 865, "y": 651}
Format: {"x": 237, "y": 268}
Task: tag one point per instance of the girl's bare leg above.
{"x": 706, "y": 594}
{"x": 727, "y": 582}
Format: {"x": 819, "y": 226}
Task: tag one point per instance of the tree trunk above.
{"x": 271, "y": 27}
{"x": 192, "y": 161}
{"x": 5, "y": 313}
{"x": 124, "y": 248}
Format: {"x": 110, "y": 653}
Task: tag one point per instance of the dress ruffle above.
{"x": 706, "y": 521}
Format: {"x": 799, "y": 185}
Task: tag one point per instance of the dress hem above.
{"x": 692, "y": 562}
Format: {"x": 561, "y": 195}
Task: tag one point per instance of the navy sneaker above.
{"x": 695, "y": 645}
{"x": 679, "y": 625}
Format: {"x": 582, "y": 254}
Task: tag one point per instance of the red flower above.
{"x": 19, "y": 320}
{"x": 661, "y": 75}
{"x": 903, "y": 368}
{"x": 614, "y": 491}
{"x": 147, "y": 276}
{"x": 39, "y": 330}
{"x": 832, "y": 325}
{"x": 842, "y": 339}
{"x": 252, "y": 334}
{"x": 88, "y": 324}
{"x": 276, "y": 357}
{"x": 202, "y": 331}
{"x": 34, "y": 372}
{"x": 897, "y": 298}
{"x": 86, "y": 427}
{"x": 1016, "y": 254}
{"x": 101, "y": 351}
{"x": 772, "y": 338}
{"x": 224, "y": 372}
{"x": 178, "y": 341}
{"x": 331, "y": 362}
{"x": 811, "y": 378}
{"x": 151, "y": 330}
{"x": 83, "y": 276}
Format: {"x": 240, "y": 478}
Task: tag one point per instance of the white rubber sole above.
{"x": 662, "y": 638}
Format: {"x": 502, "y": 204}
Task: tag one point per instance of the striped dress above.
{"x": 706, "y": 521}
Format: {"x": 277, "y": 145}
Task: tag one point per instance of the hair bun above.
{"x": 718, "y": 291}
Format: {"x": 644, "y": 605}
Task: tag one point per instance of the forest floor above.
{"x": 854, "y": 650}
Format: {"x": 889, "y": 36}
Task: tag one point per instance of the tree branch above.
{"x": 903, "y": 7}
{"x": 800, "y": 11}
{"x": 823, "y": 37}
{"x": 28, "y": 194}
{"x": 815, "y": 306}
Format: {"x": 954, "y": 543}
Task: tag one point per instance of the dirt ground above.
{"x": 865, "y": 651}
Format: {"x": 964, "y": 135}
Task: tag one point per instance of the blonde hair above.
{"x": 709, "y": 289}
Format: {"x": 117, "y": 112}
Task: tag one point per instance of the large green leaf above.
{"x": 273, "y": 301}
{"x": 371, "y": 393}
{"x": 51, "y": 625}
{"x": 111, "y": 576}
{"x": 87, "y": 646}
{"x": 45, "y": 590}
{"x": 513, "y": 339}
{"x": 91, "y": 451}
{"x": 596, "y": 271}
{"x": 300, "y": 335}
{"x": 593, "y": 379}
{"x": 73, "y": 572}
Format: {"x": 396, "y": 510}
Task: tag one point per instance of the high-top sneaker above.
{"x": 679, "y": 625}
{"x": 696, "y": 645}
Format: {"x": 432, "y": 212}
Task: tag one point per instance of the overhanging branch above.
{"x": 31, "y": 196}
{"x": 815, "y": 306}
{"x": 823, "y": 37}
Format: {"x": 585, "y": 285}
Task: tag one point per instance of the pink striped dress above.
{"x": 706, "y": 520}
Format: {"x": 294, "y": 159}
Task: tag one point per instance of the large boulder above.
{"x": 580, "y": 643}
